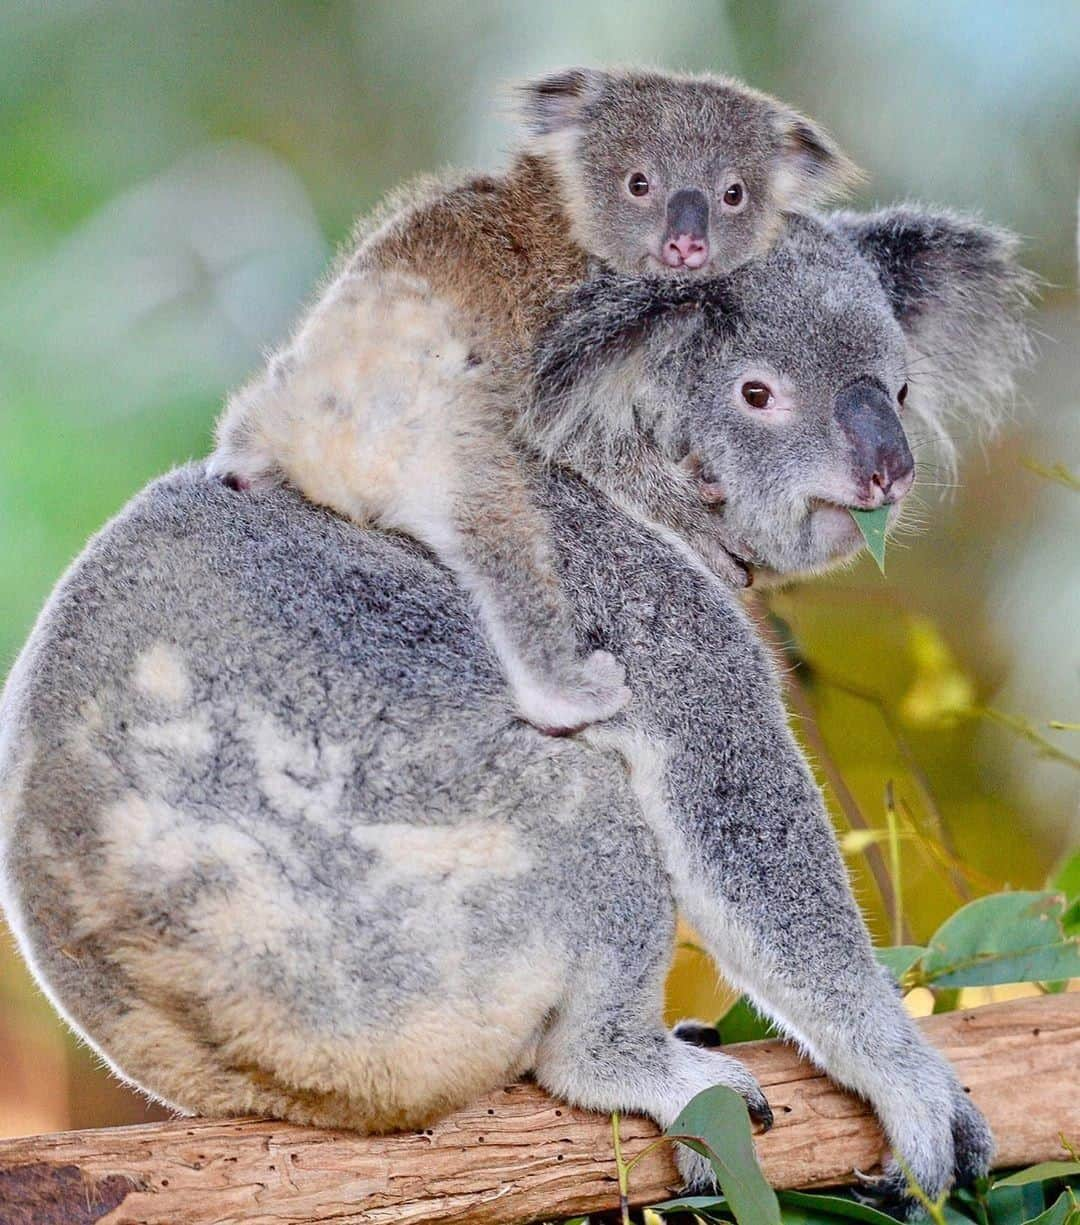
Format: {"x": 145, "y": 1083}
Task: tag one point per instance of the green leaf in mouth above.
{"x": 872, "y": 524}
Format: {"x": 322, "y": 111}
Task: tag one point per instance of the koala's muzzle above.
{"x": 882, "y": 464}
{"x": 686, "y": 237}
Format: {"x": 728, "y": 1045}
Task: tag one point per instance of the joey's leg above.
{"x": 769, "y": 894}
{"x": 500, "y": 546}
{"x": 380, "y": 410}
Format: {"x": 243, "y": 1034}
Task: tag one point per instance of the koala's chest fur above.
{"x": 497, "y": 248}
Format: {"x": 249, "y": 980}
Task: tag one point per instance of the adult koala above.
{"x": 274, "y": 841}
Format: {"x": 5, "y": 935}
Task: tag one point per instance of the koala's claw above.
{"x": 697, "y": 1033}
{"x": 760, "y": 1111}
{"x": 593, "y": 690}
{"x": 973, "y": 1149}
{"x": 888, "y": 1192}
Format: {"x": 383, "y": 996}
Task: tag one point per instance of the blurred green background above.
{"x": 176, "y": 175}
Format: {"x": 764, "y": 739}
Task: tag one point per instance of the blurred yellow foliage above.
{"x": 942, "y": 693}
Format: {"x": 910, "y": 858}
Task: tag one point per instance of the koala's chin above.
{"x": 784, "y": 547}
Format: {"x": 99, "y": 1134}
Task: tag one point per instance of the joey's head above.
{"x": 795, "y": 388}
{"x": 677, "y": 175}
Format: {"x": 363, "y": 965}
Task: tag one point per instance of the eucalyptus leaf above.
{"x": 1004, "y": 938}
{"x": 899, "y": 958}
{"x": 872, "y": 524}
{"x": 1042, "y": 1172}
{"x": 716, "y": 1125}
{"x": 829, "y": 1207}
{"x": 743, "y": 1023}
{"x": 1067, "y": 880}
{"x": 1057, "y": 1214}
{"x": 1015, "y": 1205}
{"x": 691, "y": 1203}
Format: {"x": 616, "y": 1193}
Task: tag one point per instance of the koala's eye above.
{"x": 637, "y": 184}
{"x": 735, "y": 195}
{"x": 901, "y": 395}
{"x": 757, "y": 395}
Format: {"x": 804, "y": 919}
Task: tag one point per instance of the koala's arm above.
{"x": 756, "y": 870}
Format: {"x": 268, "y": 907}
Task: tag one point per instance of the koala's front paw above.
{"x": 710, "y": 1067}
{"x": 972, "y": 1141}
{"x": 695, "y": 1172}
{"x": 589, "y": 691}
{"x": 957, "y": 1155}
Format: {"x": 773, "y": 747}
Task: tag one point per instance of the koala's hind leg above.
{"x": 607, "y": 1047}
{"x": 380, "y": 411}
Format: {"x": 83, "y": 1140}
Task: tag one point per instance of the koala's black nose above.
{"x": 686, "y": 239}
{"x": 882, "y": 464}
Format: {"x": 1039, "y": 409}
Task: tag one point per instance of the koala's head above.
{"x": 677, "y": 175}
{"x": 789, "y": 389}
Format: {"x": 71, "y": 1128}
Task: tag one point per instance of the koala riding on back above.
{"x": 274, "y": 841}
{"x": 398, "y": 401}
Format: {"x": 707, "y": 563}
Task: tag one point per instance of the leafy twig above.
{"x": 911, "y": 762}
{"x": 1055, "y": 472}
{"x": 1026, "y": 731}
{"x": 622, "y": 1170}
{"x": 893, "y": 824}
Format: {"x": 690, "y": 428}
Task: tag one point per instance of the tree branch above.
{"x": 517, "y": 1155}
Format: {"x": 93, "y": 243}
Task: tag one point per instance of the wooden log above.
{"x": 517, "y": 1155}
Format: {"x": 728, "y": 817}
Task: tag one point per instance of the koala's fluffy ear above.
{"x": 557, "y": 102}
{"x": 961, "y": 296}
{"x": 811, "y": 168}
{"x": 595, "y": 335}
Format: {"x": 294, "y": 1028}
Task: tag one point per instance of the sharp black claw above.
{"x": 887, "y": 1192}
{"x": 761, "y": 1113}
{"x": 697, "y": 1034}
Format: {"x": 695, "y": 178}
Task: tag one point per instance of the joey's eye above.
{"x": 637, "y": 184}
{"x": 901, "y": 395}
{"x": 734, "y": 195}
{"x": 757, "y": 395}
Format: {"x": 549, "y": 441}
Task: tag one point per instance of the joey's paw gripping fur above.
{"x": 722, "y": 561}
{"x": 592, "y": 691}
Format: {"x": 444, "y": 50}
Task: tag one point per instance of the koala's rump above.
{"x": 268, "y": 816}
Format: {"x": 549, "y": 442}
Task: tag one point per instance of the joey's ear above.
{"x": 557, "y": 102}
{"x": 811, "y": 168}
{"x": 960, "y": 294}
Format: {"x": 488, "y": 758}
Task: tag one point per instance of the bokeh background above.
{"x": 175, "y": 177}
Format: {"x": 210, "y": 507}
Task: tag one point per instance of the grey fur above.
{"x": 273, "y": 839}
{"x": 951, "y": 324}
{"x": 683, "y": 131}
{"x": 395, "y": 402}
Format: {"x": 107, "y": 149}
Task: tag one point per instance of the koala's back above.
{"x": 251, "y": 762}
{"x": 497, "y": 247}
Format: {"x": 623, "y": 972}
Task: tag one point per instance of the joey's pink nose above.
{"x": 686, "y": 251}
